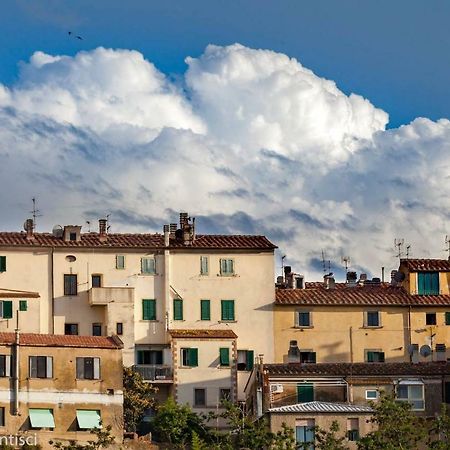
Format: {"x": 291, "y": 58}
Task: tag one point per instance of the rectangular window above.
{"x": 2, "y": 417}
{"x": 372, "y": 319}
{"x": 199, "y": 397}
{"x": 41, "y": 418}
{"x": 119, "y": 328}
{"x": 88, "y": 368}
{"x": 227, "y": 307}
{"x": 353, "y": 429}
{"x": 428, "y": 283}
{"x": 412, "y": 393}
{"x": 96, "y": 281}
{"x": 5, "y": 365}
{"x": 226, "y": 267}
{"x": 177, "y": 309}
{"x": 40, "y": 366}
{"x": 23, "y": 305}
{"x": 205, "y": 310}
{"x": 88, "y": 419}
{"x": 307, "y": 357}
{"x": 189, "y": 357}
{"x": 224, "y": 354}
{"x": 72, "y": 236}
{"x": 150, "y": 357}
{"x": 71, "y": 329}
{"x": 204, "y": 265}
{"x": 303, "y": 319}
{"x": 120, "y": 262}
{"x": 148, "y": 309}
{"x": 374, "y": 356}
{"x": 70, "y": 284}
{"x": 304, "y": 433}
{"x": 148, "y": 265}
{"x": 96, "y": 329}
{"x": 371, "y": 394}
{"x": 305, "y": 392}
{"x": 225, "y": 394}
{"x": 6, "y": 309}
{"x": 245, "y": 360}
{"x": 430, "y": 318}
{"x": 447, "y": 318}
{"x": 2, "y": 263}
{"x": 447, "y": 392}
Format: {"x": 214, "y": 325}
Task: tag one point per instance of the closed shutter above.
{"x": 205, "y": 310}
{"x": 224, "y": 356}
{"x": 204, "y": 265}
{"x": 250, "y": 359}
{"x": 80, "y": 368}
{"x": 23, "y": 306}
{"x": 7, "y": 309}
{"x": 434, "y": 288}
{"x": 193, "y": 357}
{"x": 33, "y": 371}
{"x": 96, "y": 368}
{"x": 380, "y": 356}
{"x": 227, "y": 309}
{"x": 149, "y": 309}
{"x": 2, "y": 263}
{"x": 7, "y": 366}
{"x": 177, "y": 309}
{"x": 370, "y": 357}
{"x": 305, "y": 393}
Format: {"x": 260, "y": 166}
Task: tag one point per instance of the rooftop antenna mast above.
{"x": 323, "y": 262}
{"x": 408, "y": 248}
{"x": 398, "y": 243}
{"x": 447, "y": 246}
{"x": 35, "y": 212}
{"x": 346, "y": 261}
{"x": 108, "y": 226}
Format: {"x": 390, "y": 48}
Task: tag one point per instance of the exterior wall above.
{"x": 411, "y": 283}
{"x": 29, "y": 320}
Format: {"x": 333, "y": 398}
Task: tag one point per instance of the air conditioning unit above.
{"x": 276, "y": 388}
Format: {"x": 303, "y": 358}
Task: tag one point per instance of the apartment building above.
{"x": 406, "y": 320}
{"x": 59, "y": 387}
{"x": 144, "y": 288}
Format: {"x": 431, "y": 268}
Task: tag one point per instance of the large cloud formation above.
{"x": 248, "y": 140}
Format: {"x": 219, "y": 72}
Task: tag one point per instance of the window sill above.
{"x": 227, "y": 321}
{"x": 147, "y": 274}
{"x": 369, "y": 327}
{"x": 150, "y": 320}
{"x": 224, "y": 367}
{"x": 301, "y": 327}
{"x": 227, "y": 275}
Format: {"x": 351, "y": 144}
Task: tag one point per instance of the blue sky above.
{"x": 393, "y": 52}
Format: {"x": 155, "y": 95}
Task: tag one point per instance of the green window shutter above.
{"x": 205, "y": 310}
{"x": 305, "y": 393}
{"x": 148, "y": 309}
{"x": 421, "y": 283}
{"x": 224, "y": 356}
{"x": 250, "y": 359}
{"x": 370, "y": 356}
{"x": 380, "y": 356}
{"x": 434, "y": 288}
{"x": 447, "y": 318}
{"x": 193, "y": 357}
{"x": 227, "y": 309}
{"x": 2, "y": 263}
{"x": 23, "y": 306}
{"x": 177, "y": 309}
{"x": 7, "y": 309}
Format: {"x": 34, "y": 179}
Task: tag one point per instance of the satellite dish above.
{"x": 399, "y": 276}
{"x": 28, "y": 225}
{"x": 58, "y": 231}
{"x": 425, "y": 350}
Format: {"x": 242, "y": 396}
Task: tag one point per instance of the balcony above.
{"x": 104, "y": 295}
{"x": 155, "y": 373}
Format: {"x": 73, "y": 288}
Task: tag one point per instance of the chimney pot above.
{"x": 29, "y": 228}
{"x": 102, "y": 229}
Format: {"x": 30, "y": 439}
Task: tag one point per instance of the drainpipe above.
{"x": 409, "y": 331}
{"x": 16, "y": 368}
{"x": 52, "y": 289}
{"x": 350, "y": 384}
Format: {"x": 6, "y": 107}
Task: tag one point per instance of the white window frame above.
{"x": 297, "y": 317}
{"x": 408, "y": 384}
{"x": 48, "y": 369}
{"x": 371, "y": 398}
{"x": 366, "y": 318}
{"x": 118, "y": 266}
{"x": 144, "y": 259}
{"x": 225, "y": 263}
{"x": 204, "y": 265}
{"x": 95, "y": 369}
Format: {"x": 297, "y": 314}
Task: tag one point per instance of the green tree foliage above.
{"x": 104, "y": 439}
{"x": 284, "y": 439}
{"x": 138, "y": 396}
{"x": 329, "y": 439}
{"x": 439, "y": 436}
{"x": 198, "y": 443}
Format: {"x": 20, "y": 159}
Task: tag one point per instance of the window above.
{"x": 225, "y": 394}
{"x": 205, "y": 310}
{"x": 96, "y": 281}
{"x": 5, "y": 365}
{"x": 148, "y": 265}
{"x": 226, "y": 267}
{"x": 40, "y": 367}
{"x": 224, "y": 356}
{"x": 204, "y": 265}
{"x": 120, "y": 262}
{"x": 304, "y": 433}
{"x": 177, "y": 309}
{"x": 227, "y": 307}
{"x": 2, "y": 417}
{"x": 199, "y": 397}
{"x": 447, "y": 392}
{"x": 374, "y": 356}
{"x": 2, "y": 263}
{"x": 6, "y": 309}
{"x": 148, "y": 309}
{"x": 428, "y": 283}
{"x": 372, "y": 319}
{"x": 441, "y": 350}
{"x": 151, "y": 357}
{"x": 72, "y": 236}
{"x": 88, "y": 419}
{"x": 189, "y": 357}
{"x": 70, "y": 284}
{"x": 430, "y": 318}
{"x": 412, "y": 393}
{"x": 447, "y": 318}
{"x": 119, "y": 328}
{"x": 307, "y": 357}
{"x": 96, "y": 329}
{"x": 371, "y": 394}
{"x": 23, "y": 305}
{"x": 305, "y": 392}
{"x": 245, "y": 360}
{"x": 41, "y": 418}
{"x": 88, "y": 368}
{"x": 353, "y": 429}
{"x": 71, "y": 329}
{"x": 303, "y": 319}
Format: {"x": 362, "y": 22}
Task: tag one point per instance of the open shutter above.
{"x": 250, "y": 359}
{"x": 7, "y": 309}
{"x": 2, "y": 263}
{"x": 7, "y": 366}
{"x": 96, "y": 368}
{"x": 49, "y": 367}
{"x": 80, "y": 368}
{"x": 32, "y": 361}
{"x": 193, "y": 357}
{"x": 224, "y": 356}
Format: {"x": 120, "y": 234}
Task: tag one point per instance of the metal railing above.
{"x": 154, "y": 372}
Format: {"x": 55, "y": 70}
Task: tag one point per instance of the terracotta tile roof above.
{"x": 418, "y": 265}
{"x": 203, "y": 334}
{"x": 382, "y": 295}
{"x": 232, "y": 242}
{"x": 359, "y": 369}
{"x": 60, "y": 340}
{"x": 12, "y": 293}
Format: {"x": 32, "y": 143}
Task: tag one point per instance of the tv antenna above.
{"x": 346, "y": 261}
{"x": 399, "y": 243}
{"x": 35, "y": 212}
{"x": 408, "y": 248}
{"x": 447, "y": 246}
{"x": 88, "y": 223}
{"x": 323, "y": 262}
{"x": 107, "y": 222}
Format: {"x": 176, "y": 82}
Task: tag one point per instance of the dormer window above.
{"x": 72, "y": 233}
{"x": 428, "y": 283}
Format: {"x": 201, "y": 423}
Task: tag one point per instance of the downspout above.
{"x": 409, "y": 332}
{"x": 16, "y": 368}
{"x": 350, "y": 383}
{"x": 52, "y": 288}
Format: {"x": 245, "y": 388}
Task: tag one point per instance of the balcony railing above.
{"x": 155, "y": 373}
{"x": 105, "y": 295}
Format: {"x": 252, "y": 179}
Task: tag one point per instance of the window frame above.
{"x": 207, "y": 316}
{"x": 222, "y": 397}
{"x": 77, "y": 328}
{"x": 195, "y": 403}
{"x": 119, "y": 325}
{"x": 189, "y": 357}
{"x": 224, "y": 357}
{"x": 204, "y": 265}
{"x": 225, "y": 311}
{"x": 408, "y": 398}
{"x": 149, "y": 309}
{"x": 224, "y": 269}
{"x": 23, "y": 305}
{"x": 430, "y": 315}
{"x": 6, "y": 313}
{"x": 152, "y": 270}
{"x": 120, "y": 266}
{"x": 371, "y": 398}
{"x": 178, "y": 309}
{"x": 5, "y": 366}
{"x": 303, "y": 312}
{"x": 70, "y": 289}
{"x": 97, "y": 324}
{"x": 368, "y": 314}
{"x": 2, "y": 417}
{"x": 249, "y": 360}
{"x": 426, "y": 283}
{"x": 2, "y": 263}
{"x": 378, "y": 351}
{"x": 99, "y": 277}
{"x": 38, "y": 366}
{"x": 96, "y": 368}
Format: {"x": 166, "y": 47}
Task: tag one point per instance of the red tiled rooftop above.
{"x": 206, "y": 241}
{"x": 418, "y": 265}
{"x": 12, "y": 293}
{"x": 203, "y": 334}
{"x": 60, "y": 340}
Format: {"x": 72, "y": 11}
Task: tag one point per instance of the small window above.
{"x": 374, "y": 356}
{"x": 353, "y": 429}
{"x": 225, "y": 394}
{"x": 70, "y": 284}
{"x": 72, "y": 236}
{"x": 177, "y": 309}
{"x": 2, "y": 263}
{"x": 227, "y": 307}
{"x": 120, "y": 262}
{"x": 5, "y": 366}
{"x": 40, "y": 367}
{"x": 412, "y": 393}
{"x": 119, "y": 328}
{"x": 303, "y": 319}
{"x": 150, "y": 357}
{"x": 2, "y": 417}
{"x": 205, "y": 310}
{"x": 447, "y": 318}
{"x": 23, "y": 305}
{"x": 71, "y": 329}
{"x": 204, "y": 265}
{"x": 371, "y": 394}
{"x": 308, "y": 357}
{"x": 226, "y": 267}
{"x": 430, "y": 318}
{"x": 96, "y": 329}
{"x": 6, "y": 309}
{"x": 148, "y": 266}
{"x": 199, "y": 397}
{"x": 189, "y": 357}
{"x": 88, "y": 368}
{"x": 245, "y": 360}
{"x": 96, "y": 281}
{"x": 372, "y": 319}
{"x": 428, "y": 283}
{"x": 224, "y": 356}
{"x": 305, "y": 392}
{"x": 148, "y": 309}
{"x": 305, "y": 433}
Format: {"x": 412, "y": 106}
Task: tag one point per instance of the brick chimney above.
{"x": 29, "y": 228}
{"x": 102, "y": 230}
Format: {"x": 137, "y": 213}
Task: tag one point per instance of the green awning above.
{"x": 88, "y": 419}
{"x": 42, "y": 418}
